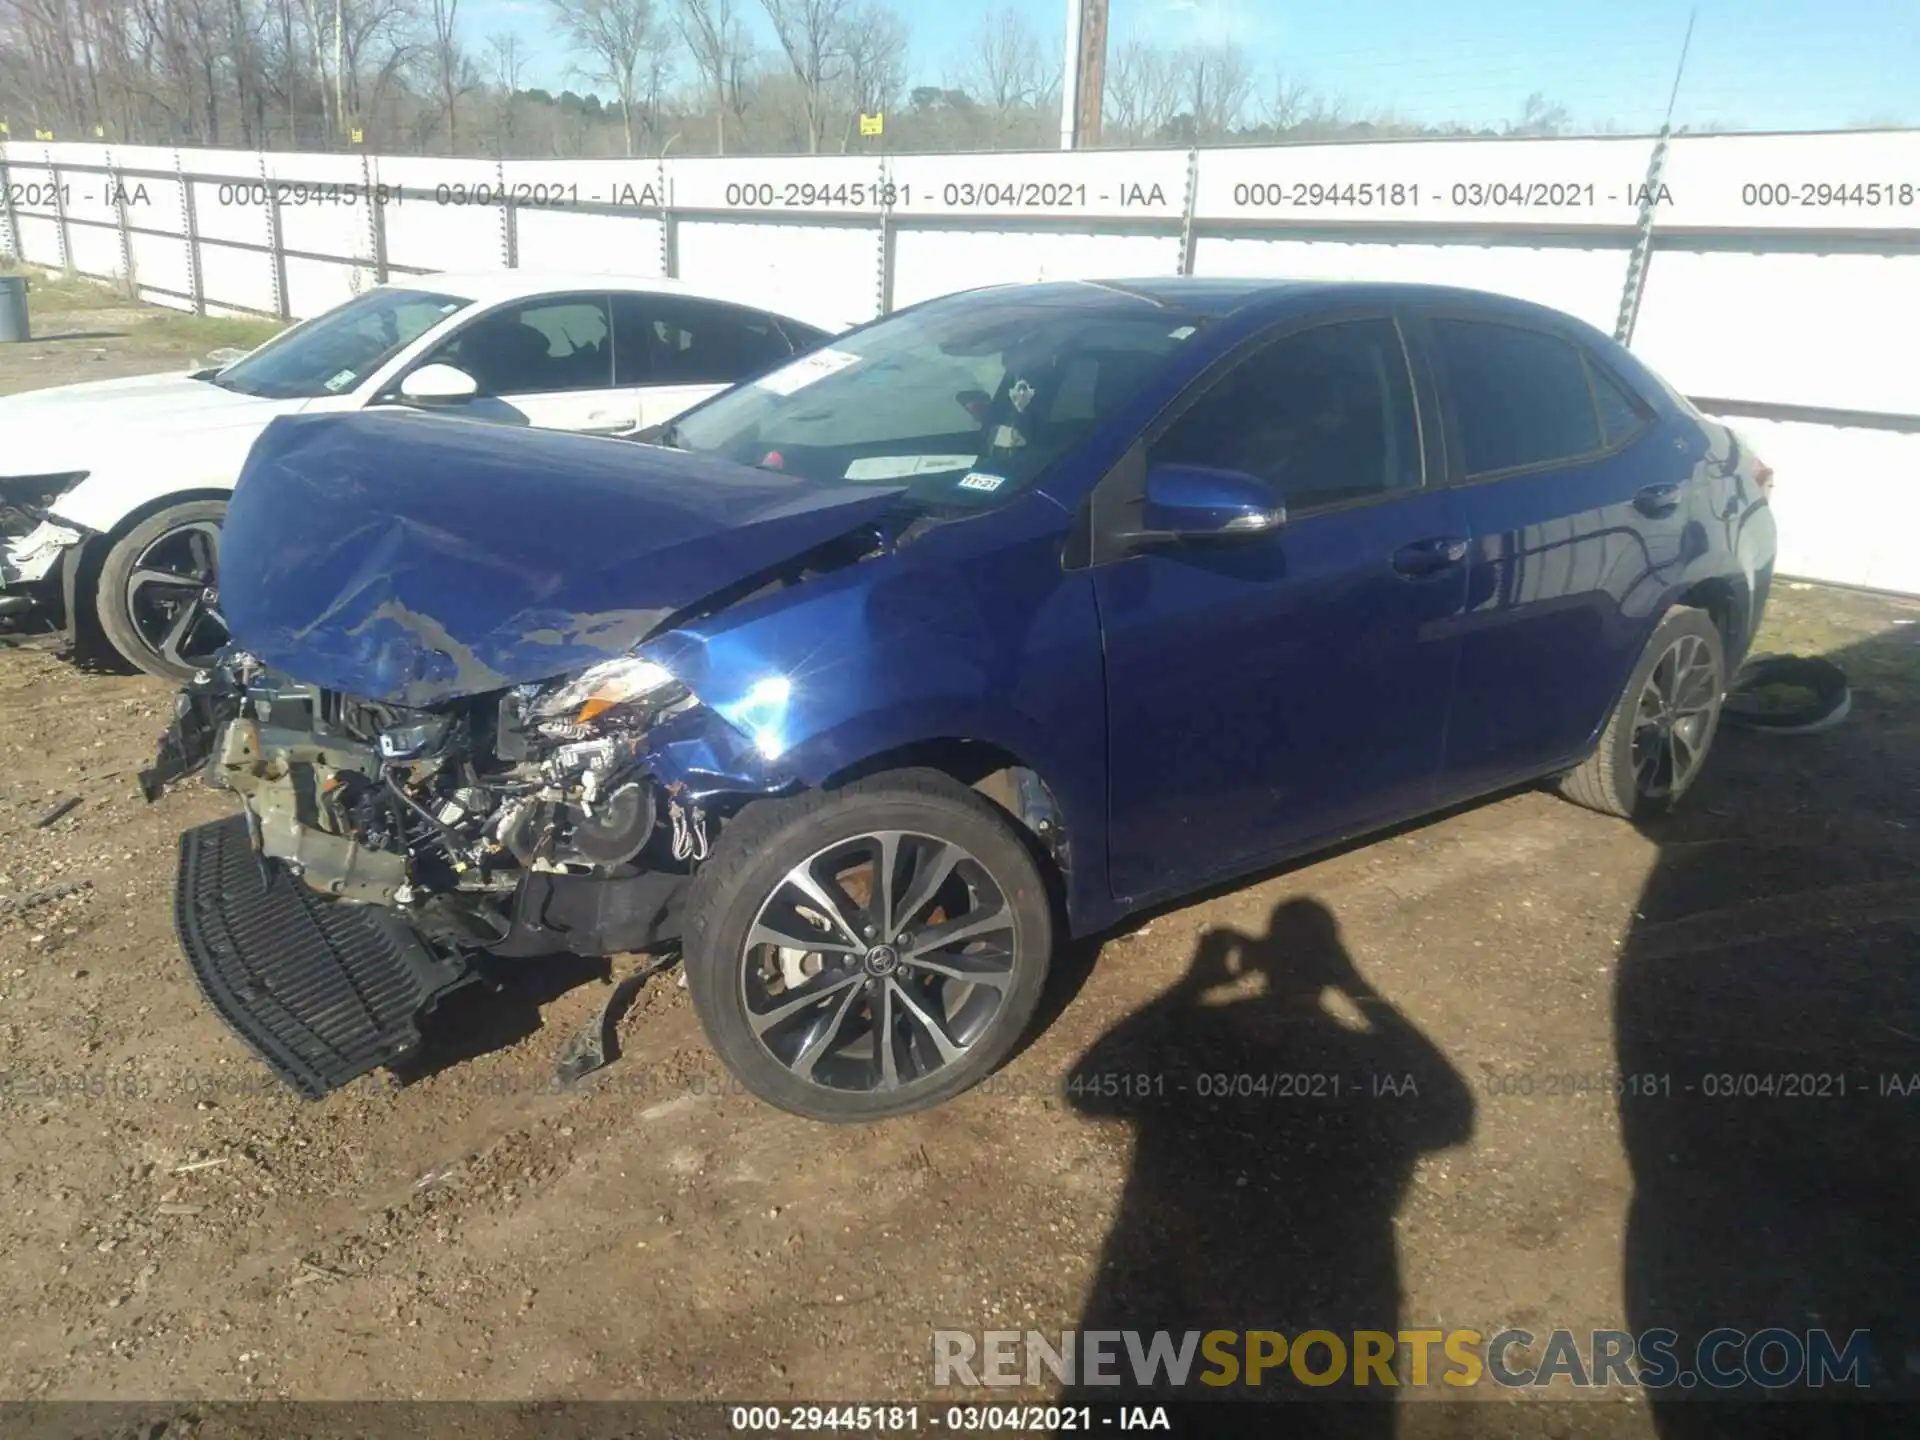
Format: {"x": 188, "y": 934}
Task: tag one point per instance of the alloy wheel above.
{"x": 1674, "y": 718}
{"x": 173, "y": 598}
{"x": 878, "y": 961}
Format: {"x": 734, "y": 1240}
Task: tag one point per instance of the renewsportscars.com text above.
{"x": 1725, "y": 1359}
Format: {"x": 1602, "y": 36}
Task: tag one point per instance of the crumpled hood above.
{"x": 74, "y": 427}
{"x": 412, "y": 558}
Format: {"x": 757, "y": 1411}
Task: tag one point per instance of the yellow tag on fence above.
{"x": 872, "y": 124}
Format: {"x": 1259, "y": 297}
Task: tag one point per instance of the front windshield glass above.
{"x": 965, "y": 402}
{"x": 332, "y": 353}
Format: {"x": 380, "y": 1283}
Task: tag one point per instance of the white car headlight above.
{"x": 604, "y": 687}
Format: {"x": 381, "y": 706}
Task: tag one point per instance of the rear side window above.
{"x": 1621, "y": 416}
{"x": 1520, "y": 397}
{"x": 677, "y": 340}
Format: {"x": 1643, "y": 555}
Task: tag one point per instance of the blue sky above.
{"x": 1765, "y": 64}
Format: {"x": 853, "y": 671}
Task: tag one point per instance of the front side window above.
{"x": 334, "y": 353}
{"x": 1326, "y": 416}
{"x": 1519, "y": 397}
{"x": 964, "y": 402}
{"x": 672, "y": 340}
{"x": 536, "y": 347}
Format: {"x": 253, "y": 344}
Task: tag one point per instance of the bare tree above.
{"x": 613, "y": 35}
{"x": 1008, "y": 72}
{"x": 505, "y": 64}
{"x": 877, "y": 42}
{"x": 723, "y": 56}
{"x": 1142, "y": 90}
{"x": 1540, "y": 116}
{"x": 452, "y": 69}
{"x": 1215, "y": 84}
{"x": 813, "y": 36}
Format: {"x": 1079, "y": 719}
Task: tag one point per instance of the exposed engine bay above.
{"x": 592, "y": 788}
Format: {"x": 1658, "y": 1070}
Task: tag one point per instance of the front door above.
{"x": 1270, "y": 693}
{"x": 546, "y": 363}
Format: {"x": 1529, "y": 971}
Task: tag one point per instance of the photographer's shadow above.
{"x": 1281, "y": 1104}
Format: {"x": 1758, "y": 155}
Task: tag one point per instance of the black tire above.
{"x": 746, "y": 887}
{"x": 138, "y": 611}
{"x": 1626, "y": 775}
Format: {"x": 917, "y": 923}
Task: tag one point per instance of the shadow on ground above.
{"x": 1768, "y": 1002}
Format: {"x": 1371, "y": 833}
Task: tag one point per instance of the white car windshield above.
{"x": 964, "y": 401}
{"x": 332, "y": 353}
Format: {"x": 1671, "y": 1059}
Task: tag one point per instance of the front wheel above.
{"x": 1657, "y": 739}
{"x": 159, "y": 594}
{"x": 867, "y": 951}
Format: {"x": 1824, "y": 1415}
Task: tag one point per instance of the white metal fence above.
{"x": 1776, "y": 278}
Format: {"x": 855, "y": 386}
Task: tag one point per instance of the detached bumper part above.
{"x": 322, "y": 991}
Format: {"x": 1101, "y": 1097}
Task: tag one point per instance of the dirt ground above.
{"x": 177, "y": 1225}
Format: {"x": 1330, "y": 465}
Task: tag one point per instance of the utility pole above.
{"x": 1083, "y": 85}
{"x": 339, "y": 78}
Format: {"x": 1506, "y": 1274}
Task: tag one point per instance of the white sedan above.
{"x": 112, "y": 492}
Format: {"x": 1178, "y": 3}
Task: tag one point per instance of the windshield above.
{"x": 332, "y": 353}
{"x": 965, "y": 401}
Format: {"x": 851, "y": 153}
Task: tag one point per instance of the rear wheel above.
{"x": 158, "y": 600}
{"x": 868, "y": 951}
{"x": 1656, "y": 742}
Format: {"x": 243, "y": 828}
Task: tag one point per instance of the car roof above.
{"x": 1219, "y": 296}
{"x": 485, "y": 287}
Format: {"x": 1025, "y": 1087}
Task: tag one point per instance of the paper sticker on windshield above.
{"x": 806, "y": 370}
{"x": 1182, "y": 333}
{"x": 980, "y": 480}
{"x": 340, "y": 382}
{"x": 899, "y": 467}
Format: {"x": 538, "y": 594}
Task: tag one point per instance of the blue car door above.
{"x": 1575, "y": 501}
{"x": 1271, "y": 691}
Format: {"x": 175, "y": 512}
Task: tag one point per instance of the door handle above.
{"x": 611, "y": 427}
{"x": 1429, "y": 557}
{"x": 1657, "y": 499}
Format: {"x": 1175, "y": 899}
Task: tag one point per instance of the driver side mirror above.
{"x": 438, "y": 385}
{"x": 1199, "y": 502}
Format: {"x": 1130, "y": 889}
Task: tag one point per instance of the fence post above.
{"x": 1641, "y": 255}
{"x": 376, "y": 219}
{"x": 10, "y": 241}
{"x": 509, "y": 218}
{"x": 129, "y": 283}
{"x": 187, "y": 216}
{"x": 1187, "y": 240}
{"x": 60, "y": 214}
{"x": 888, "y": 237}
{"x": 274, "y": 245}
{"x": 669, "y": 225}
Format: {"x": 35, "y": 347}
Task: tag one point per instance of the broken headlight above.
{"x": 411, "y": 741}
{"x": 607, "y": 686}
{"x": 26, "y": 499}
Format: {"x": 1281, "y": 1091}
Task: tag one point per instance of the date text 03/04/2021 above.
{"x": 948, "y": 1419}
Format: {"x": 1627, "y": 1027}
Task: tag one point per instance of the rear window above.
{"x": 1520, "y": 397}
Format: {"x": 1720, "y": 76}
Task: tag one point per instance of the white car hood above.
{"x": 88, "y": 426}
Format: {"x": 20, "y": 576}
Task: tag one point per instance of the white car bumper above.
{"x": 32, "y": 556}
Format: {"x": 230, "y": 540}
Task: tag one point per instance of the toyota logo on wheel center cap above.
{"x": 882, "y": 960}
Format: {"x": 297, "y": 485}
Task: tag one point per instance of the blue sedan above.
{"x": 863, "y": 684}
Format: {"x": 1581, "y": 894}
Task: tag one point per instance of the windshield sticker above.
{"x": 899, "y": 467}
{"x": 806, "y": 370}
{"x": 1182, "y": 333}
{"x": 339, "y": 382}
{"x": 980, "y": 480}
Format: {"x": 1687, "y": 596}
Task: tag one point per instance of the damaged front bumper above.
{"x": 530, "y": 820}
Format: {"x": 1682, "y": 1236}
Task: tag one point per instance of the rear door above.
{"x": 673, "y": 351}
{"x": 1268, "y": 693}
{"x": 1574, "y": 499}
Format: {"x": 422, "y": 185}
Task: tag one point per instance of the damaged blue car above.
{"x": 861, "y": 686}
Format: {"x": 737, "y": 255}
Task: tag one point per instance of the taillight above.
{"x": 1763, "y": 477}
